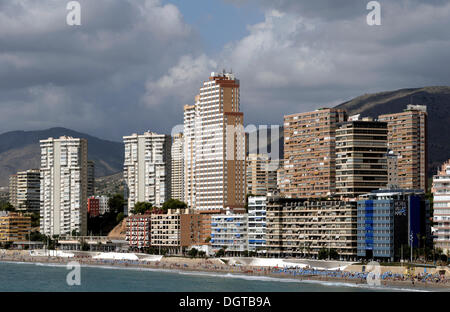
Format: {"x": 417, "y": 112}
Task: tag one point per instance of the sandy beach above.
{"x": 228, "y": 266}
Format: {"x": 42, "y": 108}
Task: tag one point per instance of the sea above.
{"x": 43, "y": 277}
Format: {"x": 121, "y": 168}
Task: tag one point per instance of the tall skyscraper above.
{"x": 13, "y": 190}
{"x": 147, "y": 169}
{"x": 64, "y": 186}
{"x": 25, "y": 190}
{"x": 361, "y": 162}
{"x": 407, "y": 137}
{"x": 177, "y": 179}
{"x": 215, "y": 146}
{"x": 441, "y": 207}
{"x": 189, "y": 153}
{"x": 310, "y": 153}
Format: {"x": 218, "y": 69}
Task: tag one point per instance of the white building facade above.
{"x": 177, "y": 178}
{"x": 229, "y": 231}
{"x": 257, "y": 223}
{"x": 441, "y": 207}
{"x": 147, "y": 169}
{"x": 63, "y": 193}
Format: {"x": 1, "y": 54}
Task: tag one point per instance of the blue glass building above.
{"x": 388, "y": 220}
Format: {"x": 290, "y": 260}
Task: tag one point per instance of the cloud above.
{"x": 133, "y": 64}
{"x": 97, "y": 69}
{"x": 311, "y": 54}
{"x": 181, "y": 83}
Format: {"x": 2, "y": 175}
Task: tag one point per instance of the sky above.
{"x": 132, "y": 65}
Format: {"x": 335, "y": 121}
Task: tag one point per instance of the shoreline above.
{"x": 212, "y": 267}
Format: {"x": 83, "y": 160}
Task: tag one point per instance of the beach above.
{"x": 389, "y": 276}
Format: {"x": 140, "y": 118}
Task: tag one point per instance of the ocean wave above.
{"x": 306, "y": 281}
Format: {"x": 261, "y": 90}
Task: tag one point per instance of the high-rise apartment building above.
{"x": 13, "y": 190}
{"x": 261, "y": 174}
{"x": 392, "y": 164}
{"x": 300, "y": 227}
{"x": 25, "y": 190}
{"x": 177, "y": 179}
{"x": 441, "y": 207}
{"x": 147, "y": 169}
{"x": 361, "y": 163}
{"x": 310, "y": 153}
{"x": 407, "y": 137}
{"x": 189, "y": 153}
{"x": 63, "y": 191}
{"x": 215, "y": 146}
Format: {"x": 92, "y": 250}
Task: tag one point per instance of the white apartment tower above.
{"x": 64, "y": 183}
{"x": 215, "y": 146}
{"x": 189, "y": 153}
{"x": 147, "y": 169}
{"x": 441, "y": 207}
{"x": 177, "y": 179}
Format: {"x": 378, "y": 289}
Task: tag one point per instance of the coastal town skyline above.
{"x": 225, "y": 146}
{"x": 293, "y": 56}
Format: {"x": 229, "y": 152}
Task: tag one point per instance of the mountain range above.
{"x": 19, "y": 150}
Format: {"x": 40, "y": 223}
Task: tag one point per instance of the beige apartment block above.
{"x": 301, "y": 228}
{"x": 407, "y": 138}
{"x": 215, "y": 146}
{"x": 361, "y": 163}
{"x": 310, "y": 153}
{"x": 261, "y": 174}
{"x": 25, "y": 190}
{"x": 392, "y": 162}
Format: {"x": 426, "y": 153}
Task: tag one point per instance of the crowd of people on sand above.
{"x": 218, "y": 266}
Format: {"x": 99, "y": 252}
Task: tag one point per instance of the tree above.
{"x": 220, "y": 253}
{"x": 141, "y": 207}
{"x": 7, "y": 207}
{"x": 35, "y": 219}
{"x": 193, "y": 252}
{"x": 85, "y": 246}
{"x": 208, "y": 239}
{"x": 333, "y": 254}
{"x": 323, "y": 254}
{"x": 116, "y": 203}
{"x": 120, "y": 217}
{"x": 173, "y": 204}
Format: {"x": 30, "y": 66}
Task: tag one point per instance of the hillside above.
{"x": 437, "y": 100}
{"x": 19, "y": 150}
{"x": 109, "y": 185}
